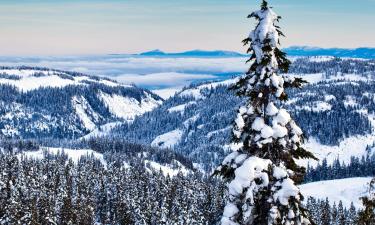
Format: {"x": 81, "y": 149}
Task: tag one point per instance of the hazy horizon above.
{"x": 90, "y": 27}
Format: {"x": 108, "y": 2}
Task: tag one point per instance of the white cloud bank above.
{"x": 149, "y": 72}
{"x": 162, "y": 79}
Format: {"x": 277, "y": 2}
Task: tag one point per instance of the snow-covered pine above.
{"x": 367, "y": 215}
{"x": 262, "y": 174}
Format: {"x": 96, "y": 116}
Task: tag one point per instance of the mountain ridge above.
{"x": 362, "y": 52}
{"x": 46, "y": 103}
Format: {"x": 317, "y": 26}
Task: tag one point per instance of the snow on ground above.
{"x": 101, "y": 131}
{"x": 82, "y": 108}
{"x": 321, "y": 58}
{"x": 23, "y": 73}
{"x": 191, "y": 120}
{"x": 31, "y": 83}
{"x": 181, "y": 108}
{"x": 318, "y": 106}
{"x": 128, "y": 108}
{"x": 347, "y": 190}
{"x": 73, "y": 154}
{"x": 350, "y": 101}
{"x": 33, "y": 79}
{"x": 317, "y": 77}
{"x": 167, "y": 92}
{"x": 311, "y": 78}
{"x": 328, "y": 98}
{"x": 166, "y": 170}
{"x": 213, "y": 133}
{"x": 196, "y": 91}
{"x": 352, "y": 146}
{"x": 168, "y": 140}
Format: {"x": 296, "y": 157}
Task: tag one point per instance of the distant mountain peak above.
{"x": 193, "y": 53}
{"x": 48, "y": 103}
{"x": 363, "y": 52}
{"x": 153, "y": 52}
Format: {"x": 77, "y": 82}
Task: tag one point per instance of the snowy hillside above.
{"x": 345, "y": 190}
{"x": 171, "y": 169}
{"x": 74, "y": 154}
{"x": 28, "y": 79}
{"x": 335, "y": 110}
{"x": 41, "y": 102}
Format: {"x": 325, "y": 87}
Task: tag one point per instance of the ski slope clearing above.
{"x": 128, "y": 108}
{"x": 42, "y": 102}
{"x": 167, "y": 170}
{"x": 168, "y": 140}
{"x": 101, "y": 131}
{"x": 74, "y": 154}
{"x": 196, "y": 92}
{"x": 349, "y": 147}
{"x": 345, "y": 190}
{"x": 27, "y": 79}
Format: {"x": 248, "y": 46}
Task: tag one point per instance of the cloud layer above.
{"x": 153, "y": 73}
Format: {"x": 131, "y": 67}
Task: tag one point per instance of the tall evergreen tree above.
{"x": 352, "y": 215}
{"x": 367, "y": 215}
{"x": 341, "y": 215}
{"x": 263, "y": 174}
{"x": 326, "y": 215}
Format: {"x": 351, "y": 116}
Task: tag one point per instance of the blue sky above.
{"x": 71, "y": 27}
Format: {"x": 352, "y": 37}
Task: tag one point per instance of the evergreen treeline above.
{"x": 206, "y": 120}
{"x": 304, "y": 65}
{"x": 57, "y": 191}
{"x": 114, "y": 150}
{"x": 51, "y": 112}
{"x": 358, "y": 167}
{"x": 323, "y": 213}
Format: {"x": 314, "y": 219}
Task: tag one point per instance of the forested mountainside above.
{"x": 127, "y": 184}
{"x": 103, "y": 181}
{"x": 336, "y": 105}
{"x": 47, "y": 103}
{"x": 146, "y": 170}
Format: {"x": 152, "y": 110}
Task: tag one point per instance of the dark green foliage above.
{"x": 324, "y": 214}
{"x": 367, "y": 215}
{"x": 57, "y": 191}
{"x": 357, "y": 167}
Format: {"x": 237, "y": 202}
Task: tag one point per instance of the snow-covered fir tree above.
{"x": 262, "y": 173}
{"x": 367, "y": 215}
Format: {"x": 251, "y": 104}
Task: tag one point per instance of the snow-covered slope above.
{"x": 128, "y": 108}
{"x": 347, "y": 148}
{"x": 41, "y": 102}
{"x": 171, "y": 169}
{"x": 167, "y": 140}
{"x": 167, "y": 170}
{"x": 28, "y": 79}
{"x": 345, "y": 190}
{"x": 73, "y": 154}
{"x": 335, "y": 111}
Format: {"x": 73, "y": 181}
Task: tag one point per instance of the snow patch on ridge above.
{"x": 167, "y": 170}
{"x": 352, "y": 146}
{"x": 73, "y": 154}
{"x": 103, "y": 130}
{"x": 196, "y": 91}
{"x": 181, "y": 108}
{"x": 128, "y": 108}
{"x": 82, "y": 108}
{"x": 345, "y": 190}
{"x": 30, "y": 79}
{"x": 168, "y": 140}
